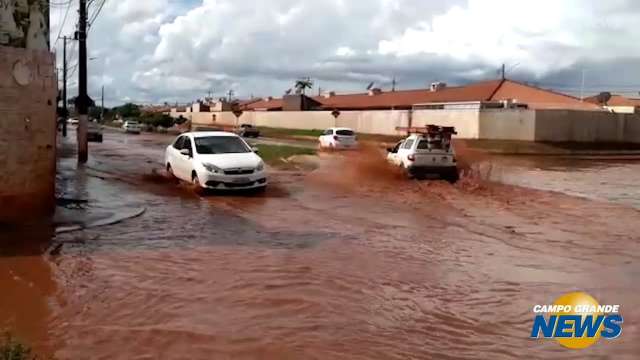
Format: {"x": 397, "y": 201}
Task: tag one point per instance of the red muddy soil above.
{"x": 350, "y": 261}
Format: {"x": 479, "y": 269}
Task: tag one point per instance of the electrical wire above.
{"x": 96, "y": 14}
{"x": 66, "y": 14}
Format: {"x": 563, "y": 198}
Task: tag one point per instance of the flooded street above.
{"x": 325, "y": 266}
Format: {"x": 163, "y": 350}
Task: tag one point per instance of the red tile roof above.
{"x": 537, "y": 98}
{"x": 265, "y": 104}
{"x": 493, "y": 90}
{"x": 616, "y": 100}
{"x": 481, "y": 91}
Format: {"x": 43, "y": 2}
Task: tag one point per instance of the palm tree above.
{"x": 303, "y": 84}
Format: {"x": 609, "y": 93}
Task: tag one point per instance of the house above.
{"x": 490, "y": 92}
{"x": 618, "y": 104}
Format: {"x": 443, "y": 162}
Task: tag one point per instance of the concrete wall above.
{"x": 586, "y": 126}
{"x": 28, "y": 89}
{"x": 464, "y": 120}
{"x": 490, "y": 124}
{"x": 507, "y": 124}
{"x": 366, "y": 122}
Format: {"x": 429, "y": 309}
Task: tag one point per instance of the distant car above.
{"x": 132, "y": 127}
{"x": 94, "y": 132}
{"x": 215, "y": 160}
{"x": 427, "y": 153}
{"x": 248, "y": 130}
{"x": 73, "y": 121}
{"x": 338, "y": 138}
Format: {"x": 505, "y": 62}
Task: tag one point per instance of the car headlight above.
{"x": 260, "y": 166}
{"x": 212, "y": 168}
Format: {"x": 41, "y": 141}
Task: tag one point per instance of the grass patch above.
{"x": 285, "y": 133}
{"x": 10, "y": 349}
{"x": 275, "y": 155}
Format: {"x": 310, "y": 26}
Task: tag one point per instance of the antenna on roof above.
{"x": 393, "y": 84}
{"x": 371, "y": 85}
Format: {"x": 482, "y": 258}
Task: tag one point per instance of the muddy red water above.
{"x": 319, "y": 267}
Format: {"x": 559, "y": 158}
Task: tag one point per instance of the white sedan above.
{"x": 338, "y": 138}
{"x": 215, "y": 160}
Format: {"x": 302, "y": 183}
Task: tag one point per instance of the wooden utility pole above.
{"x": 83, "y": 97}
{"x": 102, "y": 105}
{"x": 64, "y": 88}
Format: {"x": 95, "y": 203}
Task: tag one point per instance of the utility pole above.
{"x": 393, "y": 84}
{"x": 64, "y": 87}
{"x": 102, "y": 106}
{"x": 582, "y": 87}
{"x": 230, "y": 93}
{"x": 83, "y": 97}
{"x": 504, "y": 71}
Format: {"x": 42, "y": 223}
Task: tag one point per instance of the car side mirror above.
{"x": 255, "y": 150}
{"x": 185, "y": 152}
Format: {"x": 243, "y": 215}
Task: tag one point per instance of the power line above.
{"x": 96, "y": 13}
{"x": 66, "y": 13}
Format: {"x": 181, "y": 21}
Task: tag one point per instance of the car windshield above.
{"x": 221, "y": 145}
{"x": 345, "y": 132}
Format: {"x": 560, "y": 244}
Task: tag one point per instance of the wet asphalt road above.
{"x": 342, "y": 262}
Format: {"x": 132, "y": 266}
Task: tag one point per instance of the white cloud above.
{"x": 345, "y": 51}
{"x": 157, "y": 50}
{"x": 540, "y": 35}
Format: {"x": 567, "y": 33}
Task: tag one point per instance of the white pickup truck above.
{"x": 427, "y": 151}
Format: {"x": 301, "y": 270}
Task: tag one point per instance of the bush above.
{"x": 13, "y": 350}
{"x": 157, "y": 120}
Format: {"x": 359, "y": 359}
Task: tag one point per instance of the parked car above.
{"x": 248, "y": 130}
{"x": 427, "y": 152}
{"x": 94, "y": 132}
{"x": 338, "y": 138}
{"x": 132, "y": 127}
{"x": 215, "y": 160}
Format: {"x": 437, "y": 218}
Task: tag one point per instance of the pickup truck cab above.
{"x": 427, "y": 152}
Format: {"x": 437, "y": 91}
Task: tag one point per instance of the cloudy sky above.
{"x": 154, "y": 51}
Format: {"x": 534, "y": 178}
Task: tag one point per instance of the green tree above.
{"x": 128, "y": 110}
{"x": 303, "y": 84}
{"x": 157, "y": 120}
{"x": 96, "y": 112}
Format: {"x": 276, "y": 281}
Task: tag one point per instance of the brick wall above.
{"x": 28, "y": 89}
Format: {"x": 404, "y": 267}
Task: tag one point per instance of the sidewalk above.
{"x": 82, "y": 200}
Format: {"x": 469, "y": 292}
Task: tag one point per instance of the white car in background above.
{"x": 132, "y": 127}
{"x": 427, "y": 152}
{"x": 338, "y": 139}
{"x": 215, "y": 160}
